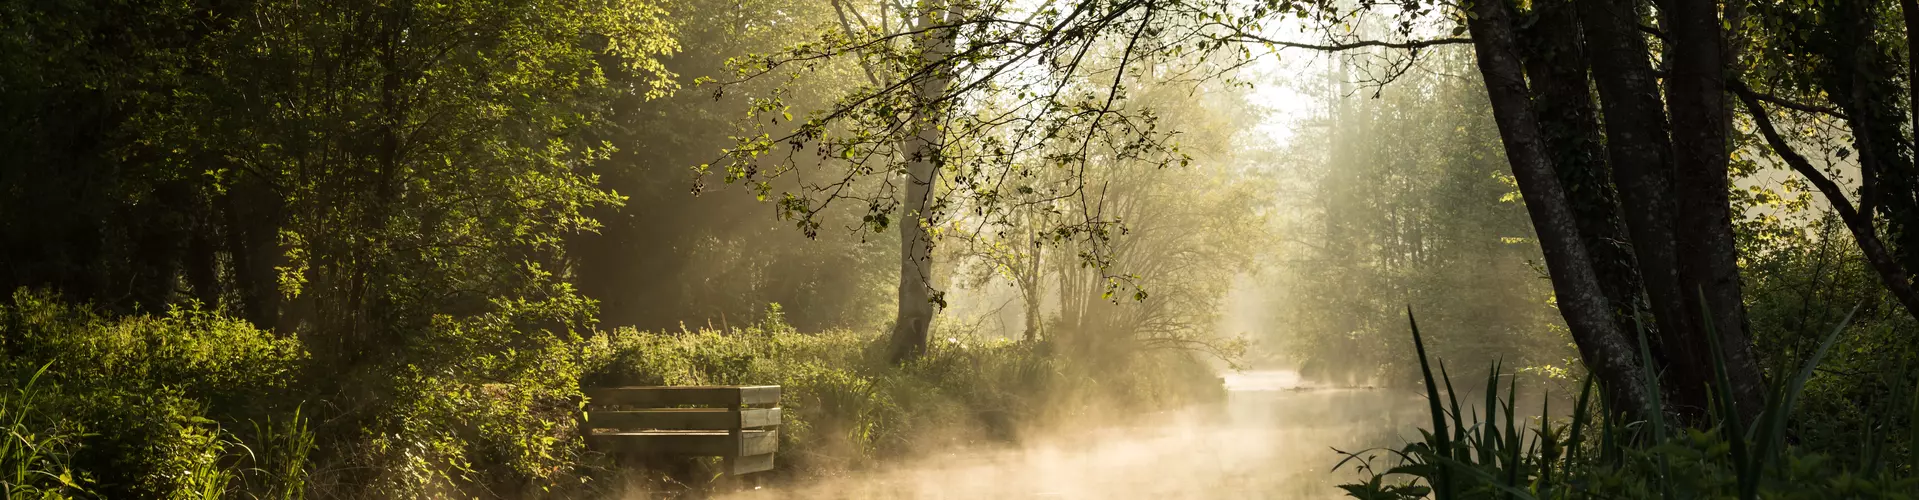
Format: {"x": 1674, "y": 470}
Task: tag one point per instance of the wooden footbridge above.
{"x": 737, "y": 423}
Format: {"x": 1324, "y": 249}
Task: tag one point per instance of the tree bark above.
{"x": 1032, "y": 317}
{"x": 1556, "y": 65}
{"x": 1910, "y": 10}
{"x": 1029, "y": 283}
{"x": 917, "y": 298}
{"x": 253, "y": 218}
{"x": 1606, "y": 350}
{"x": 1708, "y": 256}
{"x": 1640, "y": 152}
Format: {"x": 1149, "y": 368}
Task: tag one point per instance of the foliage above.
{"x": 35, "y": 453}
{"x": 1183, "y": 234}
{"x": 668, "y": 255}
{"x": 846, "y": 406}
{"x": 1405, "y": 198}
{"x": 198, "y": 405}
{"x": 150, "y": 392}
{"x": 1598, "y": 455}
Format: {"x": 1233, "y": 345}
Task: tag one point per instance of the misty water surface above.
{"x": 1273, "y": 439}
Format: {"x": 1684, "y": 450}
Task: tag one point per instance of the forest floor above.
{"x": 1274, "y": 438}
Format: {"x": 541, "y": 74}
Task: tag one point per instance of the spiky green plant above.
{"x": 33, "y": 457}
{"x": 1471, "y": 453}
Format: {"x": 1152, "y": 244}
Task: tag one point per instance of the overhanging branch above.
{"x": 1339, "y": 47}
{"x": 1896, "y": 279}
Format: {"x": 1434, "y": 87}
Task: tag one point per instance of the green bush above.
{"x": 152, "y": 392}
{"x": 480, "y": 406}
{"x": 192, "y": 404}
{"x": 1471, "y": 452}
{"x": 846, "y": 406}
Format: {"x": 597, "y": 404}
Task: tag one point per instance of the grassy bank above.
{"x": 846, "y": 407}
{"x": 195, "y": 405}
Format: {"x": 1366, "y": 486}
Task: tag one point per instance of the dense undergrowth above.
{"x": 1493, "y": 450}
{"x": 846, "y": 406}
{"x": 196, "y": 405}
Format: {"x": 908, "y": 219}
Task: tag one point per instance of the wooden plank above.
{"x": 684, "y": 418}
{"x": 758, "y": 442}
{"x": 760, "y": 395}
{"x": 699, "y": 443}
{"x": 751, "y": 463}
{"x": 759, "y": 418}
{"x": 653, "y": 397}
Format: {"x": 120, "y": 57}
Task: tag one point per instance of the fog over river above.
{"x": 1273, "y": 439}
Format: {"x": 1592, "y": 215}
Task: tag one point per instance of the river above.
{"x": 1274, "y": 438}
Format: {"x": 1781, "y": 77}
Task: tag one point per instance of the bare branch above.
{"x": 1240, "y": 36}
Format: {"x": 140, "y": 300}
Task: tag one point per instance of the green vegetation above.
{"x": 847, "y": 407}
{"x": 193, "y": 405}
{"x": 374, "y": 248}
{"x": 1401, "y": 202}
{"x": 1496, "y": 451}
{"x": 371, "y": 250}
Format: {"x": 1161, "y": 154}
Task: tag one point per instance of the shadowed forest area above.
{"x": 987, "y": 248}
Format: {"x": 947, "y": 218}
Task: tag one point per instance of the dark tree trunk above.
{"x": 1640, "y": 152}
{"x": 156, "y": 231}
{"x": 1910, "y": 9}
{"x": 203, "y": 260}
{"x": 1708, "y": 256}
{"x": 1556, "y": 66}
{"x": 1610, "y": 353}
{"x": 252, "y": 232}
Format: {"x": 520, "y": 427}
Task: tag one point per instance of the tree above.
{"x": 1837, "y": 50}
{"x": 958, "y": 98}
{"x": 389, "y": 182}
{"x": 668, "y": 257}
{"x": 1404, "y": 199}
{"x": 1607, "y": 351}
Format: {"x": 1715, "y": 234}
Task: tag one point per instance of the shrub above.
{"x": 1596, "y": 456}
{"x": 847, "y": 406}
{"x": 151, "y": 392}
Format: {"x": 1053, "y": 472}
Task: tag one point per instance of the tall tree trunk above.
{"x": 1556, "y": 66}
{"x": 1609, "y": 352}
{"x": 1910, "y": 10}
{"x": 1029, "y": 282}
{"x": 1032, "y": 316}
{"x": 203, "y": 259}
{"x": 917, "y": 298}
{"x": 1708, "y": 257}
{"x": 253, "y": 217}
{"x": 1640, "y": 152}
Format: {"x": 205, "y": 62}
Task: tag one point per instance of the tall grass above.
{"x": 34, "y": 457}
{"x": 280, "y": 462}
{"x": 1488, "y": 452}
